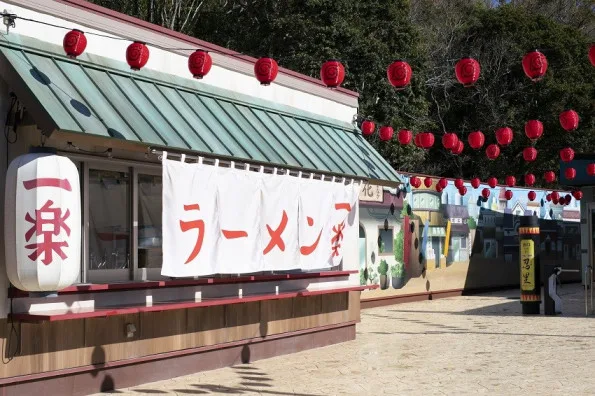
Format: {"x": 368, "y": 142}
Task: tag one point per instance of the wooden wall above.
{"x": 48, "y": 346}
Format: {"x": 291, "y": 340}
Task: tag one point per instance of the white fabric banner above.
{"x": 230, "y": 221}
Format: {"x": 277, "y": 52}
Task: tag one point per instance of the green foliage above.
{"x": 362, "y": 276}
{"x": 399, "y": 246}
{"x": 372, "y": 276}
{"x": 397, "y": 270}
{"x": 431, "y": 35}
{"x": 383, "y": 267}
{"x": 471, "y": 223}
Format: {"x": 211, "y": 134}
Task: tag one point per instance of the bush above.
{"x": 397, "y": 270}
{"x": 383, "y": 267}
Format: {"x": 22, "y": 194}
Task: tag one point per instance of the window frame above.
{"x": 387, "y": 254}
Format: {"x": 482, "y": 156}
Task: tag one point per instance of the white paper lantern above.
{"x": 42, "y": 222}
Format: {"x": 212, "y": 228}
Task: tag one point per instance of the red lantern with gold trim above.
{"x": 475, "y": 182}
{"x": 399, "y": 74}
{"x": 199, "y": 63}
{"x": 591, "y": 169}
{"x": 450, "y": 141}
{"x": 508, "y": 195}
{"x": 567, "y": 154}
{"x": 404, "y": 136}
{"x": 368, "y": 128}
{"x": 266, "y": 70}
{"x": 386, "y": 133}
{"x": 492, "y": 182}
{"x": 504, "y": 136}
{"x": 332, "y": 73}
{"x": 535, "y": 65}
{"x": 492, "y": 151}
{"x": 529, "y": 154}
{"x": 476, "y": 140}
{"x": 533, "y": 129}
{"x": 137, "y": 55}
{"x": 531, "y": 195}
{"x": 569, "y": 120}
{"x": 467, "y": 71}
{"x": 549, "y": 176}
{"x": 529, "y": 179}
{"x": 428, "y": 182}
{"x": 570, "y": 173}
{"x": 74, "y": 43}
{"x": 485, "y": 193}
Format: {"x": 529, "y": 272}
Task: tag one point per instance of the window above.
{"x": 385, "y": 240}
{"x": 463, "y": 242}
{"x": 109, "y": 224}
{"x": 149, "y": 221}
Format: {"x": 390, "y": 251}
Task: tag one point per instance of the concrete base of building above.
{"x": 122, "y": 374}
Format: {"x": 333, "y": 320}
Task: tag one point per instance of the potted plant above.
{"x": 383, "y": 271}
{"x": 372, "y": 276}
{"x": 397, "y": 273}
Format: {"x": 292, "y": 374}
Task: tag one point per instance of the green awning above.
{"x": 102, "y": 97}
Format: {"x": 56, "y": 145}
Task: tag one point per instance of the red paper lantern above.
{"x": 568, "y": 198}
{"x": 535, "y": 65}
{"x": 548, "y": 197}
{"x": 265, "y": 70}
{"x": 443, "y": 182}
{"x": 137, "y": 55}
{"x": 426, "y": 140}
{"x": 555, "y": 196}
{"x": 492, "y": 151}
{"x": 533, "y": 129}
{"x": 462, "y": 190}
{"x": 475, "y": 182}
{"x": 555, "y": 201}
{"x": 459, "y": 183}
{"x": 485, "y": 193}
{"x": 404, "y": 136}
{"x": 592, "y": 54}
{"x": 476, "y": 140}
{"x": 549, "y": 176}
{"x": 531, "y": 195}
{"x": 569, "y": 120}
{"x": 74, "y": 43}
{"x": 529, "y": 179}
{"x": 504, "y": 136}
{"x": 332, "y": 73}
{"x": 510, "y": 181}
{"x": 399, "y": 74}
{"x": 492, "y": 182}
{"x": 450, "y": 141}
{"x": 570, "y": 173}
{"x": 508, "y": 195}
{"x": 368, "y": 127}
{"x": 415, "y": 181}
{"x": 386, "y": 133}
{"x": 459, "y": 149}
{"x": 199, "y": 63}
{"x": 529, "y": 154}
{"x": 567, "y": 154}
{"x": 577, "y": 194}
{"x": 467, "y": 71}
{"x": 416, "y": 140}
{"x": 428, "y": 182}
{"x": 439, "y": 188}
{"x": 591, "y": 169}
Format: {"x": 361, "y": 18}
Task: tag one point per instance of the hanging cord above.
{"x": 7, "y": 346}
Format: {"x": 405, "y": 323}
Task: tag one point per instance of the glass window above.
{"x": 463, "y": 242}
{"x": 109, "y": 220}
{"x": 386, "y": 240}
{"x": 149, "y": 221}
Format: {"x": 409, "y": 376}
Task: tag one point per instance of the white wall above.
{"x": 172, "y": 63}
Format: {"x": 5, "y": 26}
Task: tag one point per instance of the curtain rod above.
{"x": 256, "y": 167}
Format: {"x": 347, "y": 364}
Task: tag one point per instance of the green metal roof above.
{"x": 100, "y": 96}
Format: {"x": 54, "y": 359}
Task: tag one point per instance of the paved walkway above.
{"x": 455, "y": 346}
